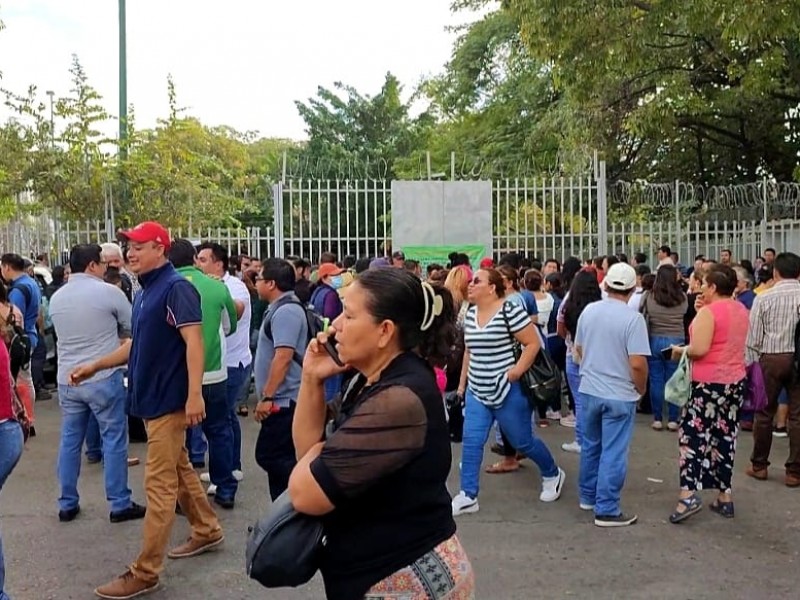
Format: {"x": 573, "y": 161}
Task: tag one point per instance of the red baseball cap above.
{"x": 487, "y": 263}
{"x": 149, "y": 231}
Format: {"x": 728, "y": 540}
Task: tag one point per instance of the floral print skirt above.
{"x": 444, "y": 573}
{"x": 707, "y": 435}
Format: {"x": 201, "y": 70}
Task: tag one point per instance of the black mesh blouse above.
{"x": 384, "y": 468}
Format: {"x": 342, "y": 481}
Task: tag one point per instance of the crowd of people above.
{"x": 164, "y": 341}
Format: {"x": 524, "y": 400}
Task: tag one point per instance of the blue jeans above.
{"x": 94, "y": 444}
{"x": 238, "y": 384}
{"x": 106, "y": 399}
{"x": 660, "y": 372}
{"x": 608, "y": 427}
{"x": 514, "y": 417}
{"x": 196, "y": 444}
{"x": 10, "y": 451}
{"x": 574, "y": 382}
{"x": 217, "y": 429}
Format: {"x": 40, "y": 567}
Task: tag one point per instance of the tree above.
{"x": 359, "y": 136}
{"x": 706, "y": 90}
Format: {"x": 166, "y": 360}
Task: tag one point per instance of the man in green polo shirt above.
{"x": 219, "y": 320}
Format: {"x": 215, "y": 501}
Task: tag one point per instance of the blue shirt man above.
{"x": 24, "y": 293}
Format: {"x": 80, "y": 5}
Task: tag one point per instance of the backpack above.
{"x": 18, "y": 343}
{"x": 313, "y": 320}
{"x": 317, "y": 301}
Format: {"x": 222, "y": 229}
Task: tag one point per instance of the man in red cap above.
{"x": 165, "y": 372}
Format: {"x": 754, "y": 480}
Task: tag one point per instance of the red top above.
{"x": 724, "y": 362}
{"x": 6, "y": 411}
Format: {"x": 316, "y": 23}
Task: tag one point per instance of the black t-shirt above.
{"x": 302, "y": 289}
{"x": 384, "y": 469}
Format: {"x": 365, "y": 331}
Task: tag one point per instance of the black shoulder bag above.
{"x": 542, "y": 381}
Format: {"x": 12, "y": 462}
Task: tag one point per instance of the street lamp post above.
{"x": 51, "y": 93}
{"x": 123, "y": 81}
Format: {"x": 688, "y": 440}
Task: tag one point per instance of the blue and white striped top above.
{"x": 491, "y": 352}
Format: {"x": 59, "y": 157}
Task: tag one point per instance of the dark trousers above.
{"x": 275, "y": 450}
{"x": 38, "y": 358}
{"x": 778, "y": 374}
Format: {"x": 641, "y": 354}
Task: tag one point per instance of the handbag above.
{"x": 679, "y": 386}
{"x": 284, "y": 546}
{"x": 755, "y": 393}
{"x": 542, "y": 381}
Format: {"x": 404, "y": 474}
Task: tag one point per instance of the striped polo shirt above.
{"x": 491, "y": 352}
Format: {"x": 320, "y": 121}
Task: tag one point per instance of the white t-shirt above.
{"x": 635, "y": 301}
{"x": 545, "y": 306}
{"x": 238, "y": 350}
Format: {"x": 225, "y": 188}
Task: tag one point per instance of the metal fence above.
{"x": 539, "y": 217}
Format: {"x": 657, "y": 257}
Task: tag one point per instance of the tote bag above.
{"x": 679, "y": 386}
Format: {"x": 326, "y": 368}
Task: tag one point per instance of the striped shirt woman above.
{"x": 491, "y": 349}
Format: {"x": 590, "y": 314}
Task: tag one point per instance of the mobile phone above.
{"x": 330, "y": 348}
{"x": 666, "y": 353}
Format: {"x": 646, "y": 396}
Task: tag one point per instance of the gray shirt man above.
{"x": 90, "y": 317}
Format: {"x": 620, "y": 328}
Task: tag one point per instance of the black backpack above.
{"x": 313, "y": 320}
{"x": 18, "y": 344}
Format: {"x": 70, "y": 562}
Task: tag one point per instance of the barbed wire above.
{"x": 688, "y": 196}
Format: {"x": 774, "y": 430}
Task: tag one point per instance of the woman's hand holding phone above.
{"x": 322, "y": 360}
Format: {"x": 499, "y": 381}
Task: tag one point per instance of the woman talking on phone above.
{"x": 378, "y": 478}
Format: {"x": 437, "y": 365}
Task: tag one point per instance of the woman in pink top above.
{"x": 709, "y": 423}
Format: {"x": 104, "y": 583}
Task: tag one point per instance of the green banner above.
{"x": 426, "y": 255}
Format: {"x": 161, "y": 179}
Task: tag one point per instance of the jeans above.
{"x": 170, "y": 478}
{"x": 275, "y": 450}
{"x": 574, "y": 381}
{"x": 238, "y": 384}
{"x": 217, "y": 429}
{"x": 660, "y": 371}
{"x": 38, "y": 359}
{"x": 196, "y": 444}
{"x": 94, "y": 443}
{"x": 105, "y": 399}
{"x": 10, "y": 452}
{"x": 608, "y": 427}
{"x": 514, "y": 417}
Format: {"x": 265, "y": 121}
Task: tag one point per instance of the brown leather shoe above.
{"x": 124, "y": 587}
{"x": 792, "y": 481}
{"x": 193, "y": 547}
{"x": 760, "y": 474}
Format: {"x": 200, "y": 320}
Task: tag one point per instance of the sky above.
{"x": 240, "y": 63}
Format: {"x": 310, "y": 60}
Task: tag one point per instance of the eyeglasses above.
{"x": 476, "y": 281}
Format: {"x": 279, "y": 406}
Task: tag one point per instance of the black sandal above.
{"x": 723, "y": 509}
{"x": 693, "y": 506}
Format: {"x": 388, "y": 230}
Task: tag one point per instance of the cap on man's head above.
{"x": 487, "y": 263}
{"x": 620, "y": 277}
{"x": 149, "y": 231}
{"x": 398, "y": 254}
{"x": 377, "y": 263}
{"x": 327, "y": 269}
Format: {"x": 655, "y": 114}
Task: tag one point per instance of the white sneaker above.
{"x": 568, "y": 421}
{"x": 212, "y": 490}
{"x": 573, "y": 447}
{"x": 586, "y": 506}
{"x": 551, "y": 487}
{"x": 205, "y": 477}
{"x": 238, "y": 475}
{"x": 553, "y": 415}
{"x": 463, "y": 504}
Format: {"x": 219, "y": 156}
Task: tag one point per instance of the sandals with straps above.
{"x": 693, "y": 506}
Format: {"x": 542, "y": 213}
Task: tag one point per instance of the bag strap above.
{"x": 267, "y": 324}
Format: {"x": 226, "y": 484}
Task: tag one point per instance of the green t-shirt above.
{"x": 219, "y": 320}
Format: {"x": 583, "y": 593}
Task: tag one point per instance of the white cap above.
{"x": 620, "y": 277}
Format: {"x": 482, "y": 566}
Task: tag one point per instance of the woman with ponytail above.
{"x": 377, "y": 473}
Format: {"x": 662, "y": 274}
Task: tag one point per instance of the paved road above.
{"x": 520, "y": 548}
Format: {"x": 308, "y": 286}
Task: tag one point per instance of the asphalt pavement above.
{"x": 520, "y": 548}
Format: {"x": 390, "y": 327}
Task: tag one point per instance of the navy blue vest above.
{"x": 158, "y": 380}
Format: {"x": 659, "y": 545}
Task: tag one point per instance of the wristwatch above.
{"x": 267, "y": 399}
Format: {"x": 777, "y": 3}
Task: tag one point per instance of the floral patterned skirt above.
{"x": 707, "y": 436}
{"x": 444, "y": 573}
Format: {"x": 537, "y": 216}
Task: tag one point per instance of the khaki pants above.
{"x": 169, "y": 477}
